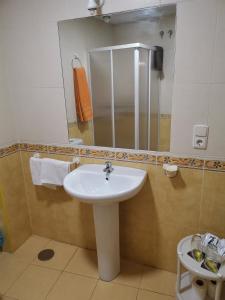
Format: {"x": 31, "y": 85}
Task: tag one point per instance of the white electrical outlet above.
{"x": 200, "y": 142}
{"x": 200, "y": 136}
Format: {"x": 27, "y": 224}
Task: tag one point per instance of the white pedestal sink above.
{"x": 88, "y": 184}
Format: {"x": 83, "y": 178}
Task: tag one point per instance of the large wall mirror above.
{"x": 118, "y": 72}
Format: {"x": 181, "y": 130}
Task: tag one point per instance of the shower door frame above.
{"x": 136, "y": 57}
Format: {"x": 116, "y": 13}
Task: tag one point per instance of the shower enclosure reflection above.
{"x": 122, "y": 86}
{"x": 129, "y": 66}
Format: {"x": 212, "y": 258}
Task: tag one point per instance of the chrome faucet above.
{"x": 108, "y": 169}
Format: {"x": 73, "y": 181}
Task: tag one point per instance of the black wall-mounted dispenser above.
{"x": 158, "y": 58}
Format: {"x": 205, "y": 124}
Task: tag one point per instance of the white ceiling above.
{"x": 149, "y": 14}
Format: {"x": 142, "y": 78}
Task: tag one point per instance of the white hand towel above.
{"x": 35, "y": 168}
{"x": 54, "y": 171}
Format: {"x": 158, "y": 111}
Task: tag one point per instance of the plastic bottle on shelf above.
{"x": 2, "y": 238}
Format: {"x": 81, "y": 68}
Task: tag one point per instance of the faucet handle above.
{"x": 108, "y": 164}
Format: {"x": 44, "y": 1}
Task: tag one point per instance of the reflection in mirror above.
{"x": 118, "y": 74}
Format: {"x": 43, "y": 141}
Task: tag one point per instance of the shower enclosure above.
{"x": 124, "y": 88}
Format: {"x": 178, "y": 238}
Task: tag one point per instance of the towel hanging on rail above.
{"x": 82, "y": 95}
{"x": 75, "y": 60}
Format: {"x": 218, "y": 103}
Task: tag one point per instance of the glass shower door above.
{"x": 143, "y": 98}
{"x": 154, "y": 109}
{"x": 100, "y": 70}
{"x": 123, "y": 79}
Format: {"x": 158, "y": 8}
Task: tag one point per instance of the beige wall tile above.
{"x": 146, "y": 220}
{"x": 176, "y": 200}
{"x": 54, "y": 214}
{"x": 213, "y": 204}
{"x": 159, "y": 281}
{"x": 165, "y": 126}
{"x": 166, "y": 239}
{"x": 130, "y": 274}
{"x": 150, "y": 220}
{"x": 83, "y": 131}
{"x": 12, "y": 184}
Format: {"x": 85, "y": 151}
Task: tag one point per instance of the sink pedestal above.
{"x": 106, "y": 218}
{"x": 88, "y": 184}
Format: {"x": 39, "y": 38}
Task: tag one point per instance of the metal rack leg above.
{"x": 218, "y": 290}
{"x": 178, "y": 275}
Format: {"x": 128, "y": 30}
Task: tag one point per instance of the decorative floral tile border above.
{"x": 155, "y": 158}
{"x": 9, "y": 150}
{"x": 215, "y": 165}
{"x": 33, "y": 148}
{"x": 181, "y": 162}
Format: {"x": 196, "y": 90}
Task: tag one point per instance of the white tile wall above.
{"x": 190, "y": 106}
{"x": 219, "y": 56}
{"x": 199, "y": 67}
{"x": 196, "y": 25}
{"x": 44, "y": 113}
{"x": 34, "y": 75}
{"x": 216, "y": 146}
{"x": 7, "y": 132}
{"x": 34, "y": 61}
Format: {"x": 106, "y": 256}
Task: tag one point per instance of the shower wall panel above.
{"x": 100, "y": 68}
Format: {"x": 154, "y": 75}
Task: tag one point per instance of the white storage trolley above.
{"x": 184, "y": 281}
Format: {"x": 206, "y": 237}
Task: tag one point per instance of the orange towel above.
{"x": 82, "y": 95}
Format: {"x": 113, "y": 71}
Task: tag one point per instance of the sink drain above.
{"x": 46, "y": 254}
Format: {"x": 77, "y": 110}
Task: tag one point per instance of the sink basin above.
{"x": 88, "y": 184}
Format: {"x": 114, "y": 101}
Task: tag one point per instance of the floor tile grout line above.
{"x": 82, "y": 275}
{"x": 158, "y": 293}
{"x": 138, "y": 294}
{"x": 142, "y": 277}
{"x": 92, "y": 294}
{"x": 75, "y": 252}
{"x": 23, "y": 261}
{"x": 124, "y": 284}
{"x": 54, "y": 284}
{"x": 45, "y": 267}
{"x": 5, "y": 294}
{"x": 63, "y": 270}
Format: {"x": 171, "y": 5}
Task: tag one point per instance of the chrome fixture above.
{"x": 170, "y": 33}
{"x": 108, "y": 169}
{"x": 161, "y": 33}
{"x": 94, "y": 6}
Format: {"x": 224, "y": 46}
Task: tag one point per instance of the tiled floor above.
{"x": 72, "y": 275}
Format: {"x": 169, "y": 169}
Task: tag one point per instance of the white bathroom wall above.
{"x": 7, "y": 135}
{"x": 34, "y": 75}
{"x": 78, "y": 37}
{"x": 148, "y": 33}
{"x": 199, "y": 91}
